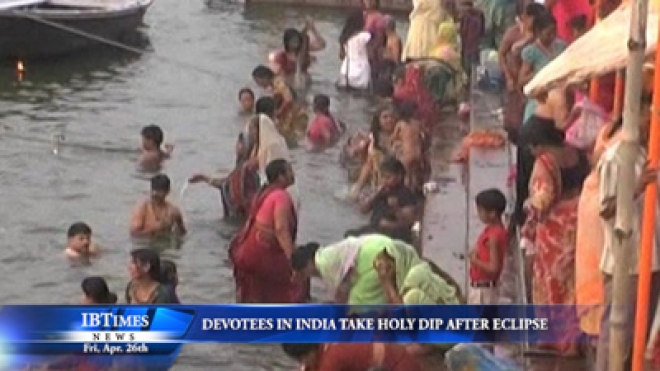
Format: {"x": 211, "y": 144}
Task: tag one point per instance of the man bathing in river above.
{"x": 153, "y": 150}
{"x": 156, "y": 216}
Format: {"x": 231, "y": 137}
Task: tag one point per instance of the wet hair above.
{"x": 168, "y": 272}
{"x": 534, "y": 10}
{"x": 289, "y": 35}
{"x": 383, "y": 88}
{"x": 275, "y": 169}
{"x": 541, "y": 133}
{"x": 406, "y": 110}
{"x": 578, "y": 23}
{"x": 303, "y": 255}
{"x": 149, "y": 257}
{"x": 245, "y": 91}
{"x": 154, "y": 133}
{"x": 392, "y": 165}
{"x": 322, "y": 103}
{"x": 78, "y": 228}
{"x": 263, "y": 72}
{"x": 491, "y": 200}
{"x": 299, "y": 351}
{"x": 354, "y": 24}
{"x": 265, "y": 105}
{"x": 161, "y": 182}
{"x": 543, "y": 22}
{"x": 97, "y": 289}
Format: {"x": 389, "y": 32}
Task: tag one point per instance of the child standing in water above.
{"x": 79, "y": 243}
{"x": 246, "y": 100}
{"x": 170, "y": 278}
{"x": 156, "y": 216}
{"x": 324, "y": 130}
{"x": 153, "y": 150}
{"x": 393, "y": 44}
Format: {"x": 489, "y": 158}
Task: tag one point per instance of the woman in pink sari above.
{"x": 564, "y": 11}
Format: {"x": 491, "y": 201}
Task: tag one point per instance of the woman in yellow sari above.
{"x": 291, "y": 116}
{"x": 425, "y": 18}
{"x": 447, "y": 46}
{"x": 447, "y": 49}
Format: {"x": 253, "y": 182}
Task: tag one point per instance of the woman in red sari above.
{"x": 260, "y": 252}
{"x": 549, "y": 232}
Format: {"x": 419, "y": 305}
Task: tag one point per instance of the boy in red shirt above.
{"x": 487, "y": 257}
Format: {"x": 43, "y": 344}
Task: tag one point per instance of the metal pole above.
{"x": 625, "y": 207}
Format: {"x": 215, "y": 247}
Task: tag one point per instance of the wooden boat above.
{"x": 395, "y": 6}
{"x": 45, "y": 28}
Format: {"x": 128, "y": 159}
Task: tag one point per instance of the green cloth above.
{"x": 366, "y": 288}
{"x": 335, "y": 261}
{"x": 422, "y": 286}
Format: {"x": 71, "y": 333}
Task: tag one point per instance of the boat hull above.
{"x": 28, "y": 38}
{"x": 395, "y": 6}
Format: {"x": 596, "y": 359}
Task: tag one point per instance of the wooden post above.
{"x": 648, "y": 231}
{"x": 625, "y": 207}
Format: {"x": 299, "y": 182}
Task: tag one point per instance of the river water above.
{"x": 100, "y": 100}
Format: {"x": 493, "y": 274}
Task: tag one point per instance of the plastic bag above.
{"x": 585, "y": 122}
{"x": 471, "y": 357}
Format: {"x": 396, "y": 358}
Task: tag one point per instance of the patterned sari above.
{"x": 261, "y": 268}
{"x": 551, "y": 227}
{"x": 293, "y": 118}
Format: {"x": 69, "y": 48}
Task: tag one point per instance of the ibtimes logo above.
{"x": 114, "y": 322}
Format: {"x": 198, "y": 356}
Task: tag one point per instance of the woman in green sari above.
{"x": 354, "y": 269}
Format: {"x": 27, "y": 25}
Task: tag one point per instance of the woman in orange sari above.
{"x": 590, "y": 240}
{"x": 260, "y": 252}
{"x": 550, "y": 228}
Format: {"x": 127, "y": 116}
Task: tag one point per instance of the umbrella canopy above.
{"x": 601, "y": 50}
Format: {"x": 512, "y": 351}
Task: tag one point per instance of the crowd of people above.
{"x": 565, "y": 193}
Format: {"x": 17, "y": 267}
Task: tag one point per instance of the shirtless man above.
{"x": 156, "y": 216}
{"x": 153, "y": 150}
{"x": 407, "y": 144}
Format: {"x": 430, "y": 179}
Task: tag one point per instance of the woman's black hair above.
{"x": 542, "y": 22}
{"x": 275, "y": 169}
{"x": 148, "y": 257}
{"x": 263, "y": 72}
{"x": 375, "y": 125}
{"x": 392, "y": 165}
{"x": 303, "y": 255}
{"x": 245, "y": 91}
{"x": 299, "y": 351}
{"x": 97, "y": 289}
{"x": 168, "y": 272}
{"x": 537, "y": 132}
{"x": 406, "y": 110}
{"x": 265, "y": 105}
{"x": 354, "y": 24}
{"x": 321, "y": 103}
{"x": 290, "y": 34}
{"x": 534, "y": 10}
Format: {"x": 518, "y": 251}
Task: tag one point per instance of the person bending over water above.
{"x": 95, "y": 291}
{"x": 291, "y": 117}
{"x": 79, "y": 243}
{"x": 145, "y": 287}
{"x": 260, "y": 252}
{"x": 153, "y": 150}
{"x": 156, "y": 216}
{"x": 246, "y": 101}
{"x": 324, "y": 130}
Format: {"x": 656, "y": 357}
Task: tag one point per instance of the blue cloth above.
{"x": 537, "y": 58}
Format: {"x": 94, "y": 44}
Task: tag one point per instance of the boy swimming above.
{"x": 79, "y": 242}
{"x": 153, "y": 150}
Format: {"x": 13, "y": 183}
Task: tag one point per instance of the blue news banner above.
{"x": 160, "y": 331}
